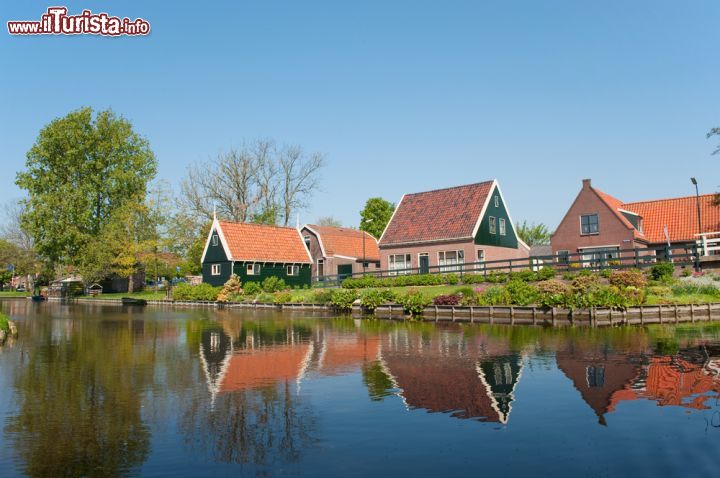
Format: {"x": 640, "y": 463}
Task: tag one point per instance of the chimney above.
{"x": 586, "y": 183}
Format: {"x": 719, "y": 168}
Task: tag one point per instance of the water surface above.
{"x": 91, "y": 390}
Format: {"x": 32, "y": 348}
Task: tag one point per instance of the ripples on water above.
{"x": 111, "y": 391}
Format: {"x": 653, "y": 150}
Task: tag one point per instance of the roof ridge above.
{"x": 691, "y": 196}
{"x": 256, "y": 224}
{"x": 451, "y": 187}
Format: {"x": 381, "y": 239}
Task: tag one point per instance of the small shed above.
{"x": 95, "y": 289}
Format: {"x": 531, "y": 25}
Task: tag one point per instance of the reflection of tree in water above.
{"x": 80, "y": 404}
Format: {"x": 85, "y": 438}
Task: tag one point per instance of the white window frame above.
{"x": 493, "y": 225}
{"x": 497, "y": 201}
{"x": 215, "y": 239}
{"x": 252, "y": 269}
{"x": 480, "y": 254}
{"x": 597, "y": 224}
{"x": 501, "y": 224}
{"x": 395, "y": 265}
{"x": 292, "y": 270}
{"x": 215, "y": 269}
{"x": 453, "y": 263}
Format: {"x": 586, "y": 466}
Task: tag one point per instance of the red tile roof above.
{"x": 616, "y": 204}
{"x": 263, "y": 243}
{"x": 342, "y": 241}
{"x": 680, "y": 216}
{"x": 442, "y": 214}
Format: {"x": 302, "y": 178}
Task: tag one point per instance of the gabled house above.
{"x": 446, "y": 228}
{"x": 340, "y": 250}
{"x": 598, "y": 225}
{"x": 255, "y": 252}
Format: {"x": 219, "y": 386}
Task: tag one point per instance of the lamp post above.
{"x": 364, "y": 264}
{"x": 697, "y": 203}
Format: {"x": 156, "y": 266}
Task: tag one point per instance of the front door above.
{"x": 424, "y": 263}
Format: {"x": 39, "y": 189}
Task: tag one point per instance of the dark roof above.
{"x": 442, "y": 214}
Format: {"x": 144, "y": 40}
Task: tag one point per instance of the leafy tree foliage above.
{"x": 375, "y": 216}
{"x": 84, "y": 175}
{"x": 534, "y": 234}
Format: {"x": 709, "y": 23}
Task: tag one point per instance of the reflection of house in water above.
{"x": 229, "y": 368}
{"x": 342, "y": 354}
{"x": 448, "y": 374}
{"x": 604, "y": 380}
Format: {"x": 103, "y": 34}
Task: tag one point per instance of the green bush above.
{"x": 473, "y": 279}
{"x": 546, "y": 273}
{"x": 343, "y": 298}
{"x": 322, "y": 296}
{"x": 372, "y": 298}
{"x": 686, "y": 272}
{"x": 662, "y": 271}
{"x": 628, "y": 278}
{"x": 232, "y": 290}
{"x": 204, "y": 292}
{"x": 606, "y": 273}
{"x": 252, "y": 289}
{"x": 265, "y": 298}
{"x": 273, "y": 284}
{"x": 585, "y": 284}
{"x": 450, "y": 279}
{"x": 522, "y": 293}
{"x": 555, "y": 293}
{"x": 495, "y": 295}
{"x": 282, "y": 297}
{"x": 495, "y": 277}
{"x": 414, "y": 302}
{"x": 360, "y": 282}
{"x": 660, "y": 291}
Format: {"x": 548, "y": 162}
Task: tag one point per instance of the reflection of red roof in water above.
{"x": 262, "y": 367}
{"x": 617, "y": 377}
{"x": 343, "y": 354}
{"x": 674, "y": 381}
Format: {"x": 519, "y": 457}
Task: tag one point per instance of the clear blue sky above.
{"x": 401, "y": 96}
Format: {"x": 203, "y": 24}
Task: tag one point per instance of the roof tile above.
{"x": 343, "y": 241}
{"x": 263, "y": 243}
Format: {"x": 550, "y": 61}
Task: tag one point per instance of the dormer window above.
{"x": 497, "y": 202}
{"x": 214, "y": 239}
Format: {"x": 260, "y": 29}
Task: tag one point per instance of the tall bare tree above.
{"x": 258, "y": 182}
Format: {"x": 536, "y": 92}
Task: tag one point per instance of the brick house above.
{"x": 339, "y": 250}
{"x": 255, "y": 252}
{"x": 445, "y": 228}
{"x": 597, "y": 225}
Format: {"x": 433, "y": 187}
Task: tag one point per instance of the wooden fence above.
{"x": 683, "y": 255}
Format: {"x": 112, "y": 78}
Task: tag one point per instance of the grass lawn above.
{"x": 430, "y": 290}
{"x": 10, "y": 293}
{"x": 146, "y": 294}
{"x": 682, "y": 299}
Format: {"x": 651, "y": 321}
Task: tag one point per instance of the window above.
{"x": 493, "y": 229}
{"x": 307, "y": 241}
{"x": 481, "y": 255}
{"x": 214, "y": 239}
{"x": 451, "y": 260}
{"x": 502, "y": 226}
{"x": 589, "y": 224}
{"x": 563, "y": 257}
{"x": 595, "y": 257}
{"x": 293, "y": 270}
{"x": 253, "y": 269}
{"x": 320, "y": 267}
{"x": 398, "y": 262}
{"x": 497, "y": 202}
{"x": 215, "y": 269}
{"x": 595, "y": 376}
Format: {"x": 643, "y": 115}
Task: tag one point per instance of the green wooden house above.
{"x": 255, "y": 252}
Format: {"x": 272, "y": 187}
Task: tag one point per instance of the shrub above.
{"x": 585, "y": 283}
{"x": 231, "y": 290}
{"x": 568, "y": 276}
{"x": 343, "y": 298}
{"x": 282, "y": 297}
{"x": 628, "y": 278}
{"x": 522, "y": 293}
{"x": 360, "y": 282}
{"x": 185, "y": 291}
{"x": 660, "y": 291}
{"x": 448, "y": 299}
{"x": 554, "y": 293}
{"x": 495, "y": 277}
{"x": 252, "y": 288}
{"x": 546, "y": 273}
{"x": 450, "y": 279}
{"x": 686, "y": 272}
{"x": 372, "y": 298}
{"x": 527, "y": 276}
{"x": 322, "y": 296}
{"x": 495, "y": 295}
{"x": 265, "y": 298}
{"x": 662, "y": 271}
{"x": 273, "y": 284}
{"x": 414, "y": 302}
{"x": 473, "y": 279}
{"x": 606, "y": 273}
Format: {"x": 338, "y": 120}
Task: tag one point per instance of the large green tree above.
{"x": 375, "y": 216}
{"x": 82, "y": 170}
{"x": 534, "y": 234}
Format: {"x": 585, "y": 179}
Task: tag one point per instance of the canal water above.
{"x": 90, "y": 390}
